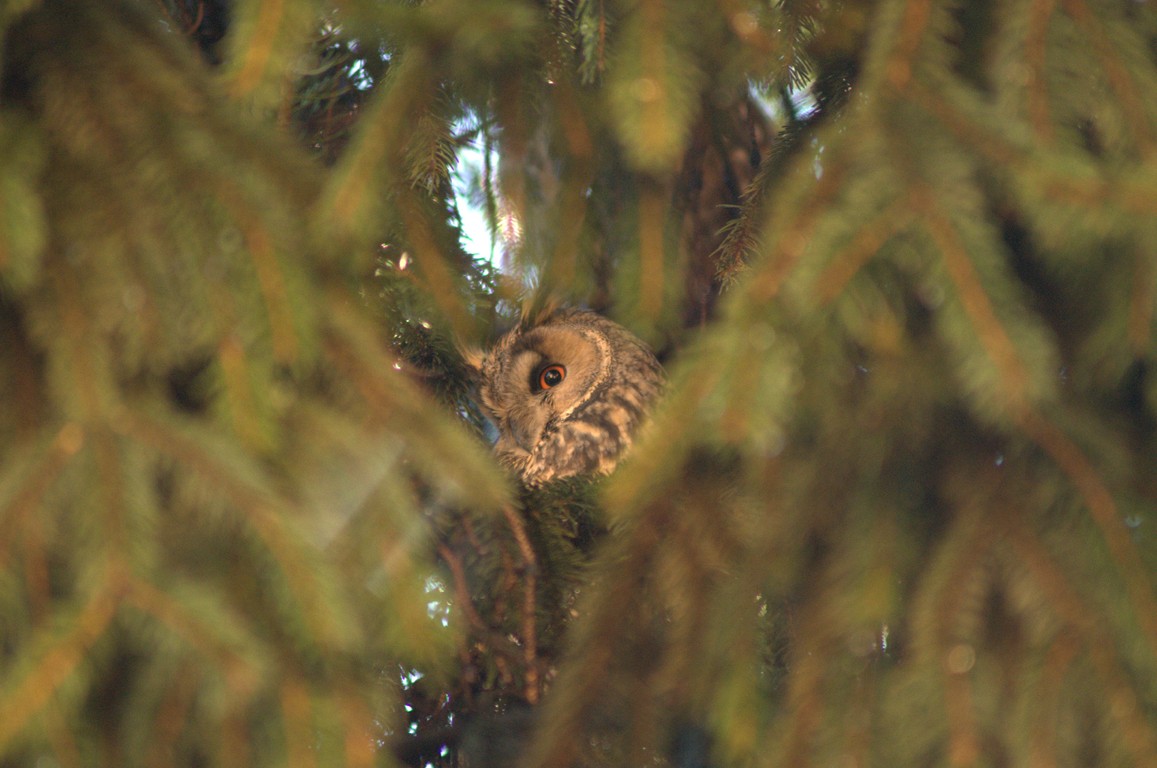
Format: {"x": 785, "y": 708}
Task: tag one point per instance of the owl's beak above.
{"x": 524, "y": 433}
{"x": 509, "y": 445}
{"x": 525, "y": 440}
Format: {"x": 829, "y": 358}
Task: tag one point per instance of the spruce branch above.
{"x": 64, "y": 745}
{"x": 242, "y": 485}
{"x": 805, "y": 688}
{"x": 462, "y": 588}
{"x": 1092, "y": 190}
{"x": 1142, "y": 304}
{"x": 241, "y": 674}
{"x": 1103, "y": 508}
{"x": 433, "y": 435}
{"x": 994, "y": 146}
{"x": 977, "y": 304}
{"x": 495, "y": 640}
{"x": 1063, "y": 597}
{"x": 910, "y": 36}
{"x": 35, "y": 468}
{"x": 578, "y": 174}
{"x": 796, "y": 225}
{"x": 529, "y": 576}
{"x": 111, "y": 493}
{"x": 578, "y": 692}
{"x": 53, "y": 655}
{"x": 1119, "y": 77}
{"x": 239, "y": 377}
{"x": 864, "y": 245}
{"x": 433, "y": 264}
{"x": 957, "y": 605}
{"x": 368, "y": 170}
{"x": 1036, "y": 88}
{"x": 297, "y": 588}
{"x": 1058, "y": 665}
{"x": 273, "y": 282}
{"x": 746, "y": 25}
{"x": 256, "y": 59}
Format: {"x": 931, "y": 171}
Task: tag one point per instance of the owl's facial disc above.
{"x": 550, "y": 376}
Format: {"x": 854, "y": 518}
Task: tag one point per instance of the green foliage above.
{"x": 187, "y": 376}
{"x": 897, "y": 506}
{"x": 23, "y": 219}
{"x": 263, "y": 48}
{"x": 654, "y": 83}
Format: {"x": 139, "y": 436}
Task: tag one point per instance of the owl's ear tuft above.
{"x": 473, "y": 357}
{"x": 538, "y": 308}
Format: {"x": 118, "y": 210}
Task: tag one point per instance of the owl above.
{"x": 567, "y": 394}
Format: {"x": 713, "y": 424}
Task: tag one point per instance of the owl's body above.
{"x": 567, "y": 394}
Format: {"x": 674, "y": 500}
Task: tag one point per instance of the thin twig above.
{"x": 529, "y": 603}
{"x": 497, "y": 641}
{"x": 461, "y": 588}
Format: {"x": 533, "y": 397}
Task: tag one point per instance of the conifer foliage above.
{"x": 897, "y": 508}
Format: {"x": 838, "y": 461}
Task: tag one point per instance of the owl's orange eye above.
{"x": 551, "y": 376}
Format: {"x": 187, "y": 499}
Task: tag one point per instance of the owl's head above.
{"x": 567, "y": 394}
